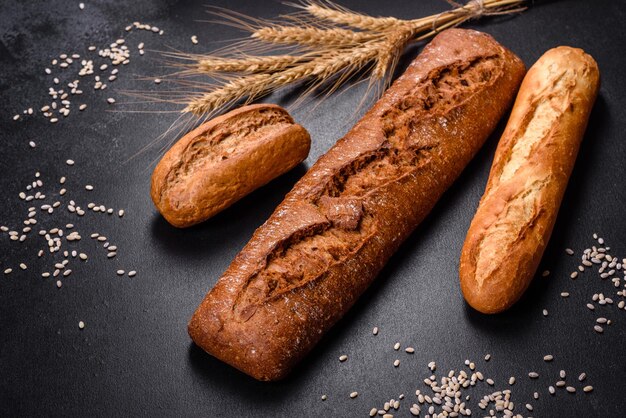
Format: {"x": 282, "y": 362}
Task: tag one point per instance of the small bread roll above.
{"x": 532, "y": 165}
{"x": 224, "y": 159}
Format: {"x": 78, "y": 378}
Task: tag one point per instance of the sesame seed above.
{"x": 511, "y": 380}
{"x": 564, "y": 294}
{"x": 488, "y": 357}
{"x": 591, "y": 307}
{"x": 110, "y": 100}
{"x": 111, "y": 254}
{"x": 8, "y": 271}
{"x": 560, "y": 384}
{"x": 598, "y": 329}
{"x": 396, "y": 363}
{"x": 396, "y": 346}
{"x": 582, "y": 377}
{"x": 551, "y": 390}
{"x": 569, "y": 251}
{"x": 69, "y": 162}
{"x": 410, "y": 350}
{"x": 324, "y": 397}
{"x": 533, "y": 375}
{"x": 132, "y": 273}
{"x": 373, "y": 412}
{"x": 545, "y": 273}
{"x": 89, "y": 187}
{"x": 82, "y": 107}
{"x": 545, "y": 312}
{"x": 548, "y": 357}
{"x": 571, "y": 389}
{"x": 573, "y": 275}
{"x": 59, "y": 284}
{"x": 529, "y": 407}
{"x": 490, "y": 382}
{"x": 157, "y": 81}
{"x": 562, "y": 374}
{"x": 81, "y": 6}
{"x": 81, "y": 325}
{"x": 23, "y": 266}
{"x": 194, "y": 39}
{"x": 342, "y": 358}
{"x": 354, "y": 395}
{"x": 120, "y": 213}
{"x": 587, "y": 389}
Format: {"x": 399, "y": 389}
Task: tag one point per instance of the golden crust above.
{"x": 224, "y": 159}
{"x": 531, "y": 167}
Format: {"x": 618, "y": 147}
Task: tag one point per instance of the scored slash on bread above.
{"x": 329, "y": 238}
{"x": 530, "y": 171}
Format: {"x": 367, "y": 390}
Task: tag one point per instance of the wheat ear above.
{"x": 249, "y": 64}
{"x": 340, "y": 16}
{"x": 311, "y": 36}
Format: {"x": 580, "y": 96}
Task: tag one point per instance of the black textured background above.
{"x": 135, "y": 358}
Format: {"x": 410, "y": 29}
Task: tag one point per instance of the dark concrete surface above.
{"x": 134, "y": 357}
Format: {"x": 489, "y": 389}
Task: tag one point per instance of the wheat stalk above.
{"x": 324, "y": 42}
{"x": 341, "y": 16}
{"x": 273, "y": 63}
{"x": 389, "y": 50}
{"x": 312, "y": 36}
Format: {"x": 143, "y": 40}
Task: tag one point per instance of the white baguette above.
{"x": 530, "y": 171}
